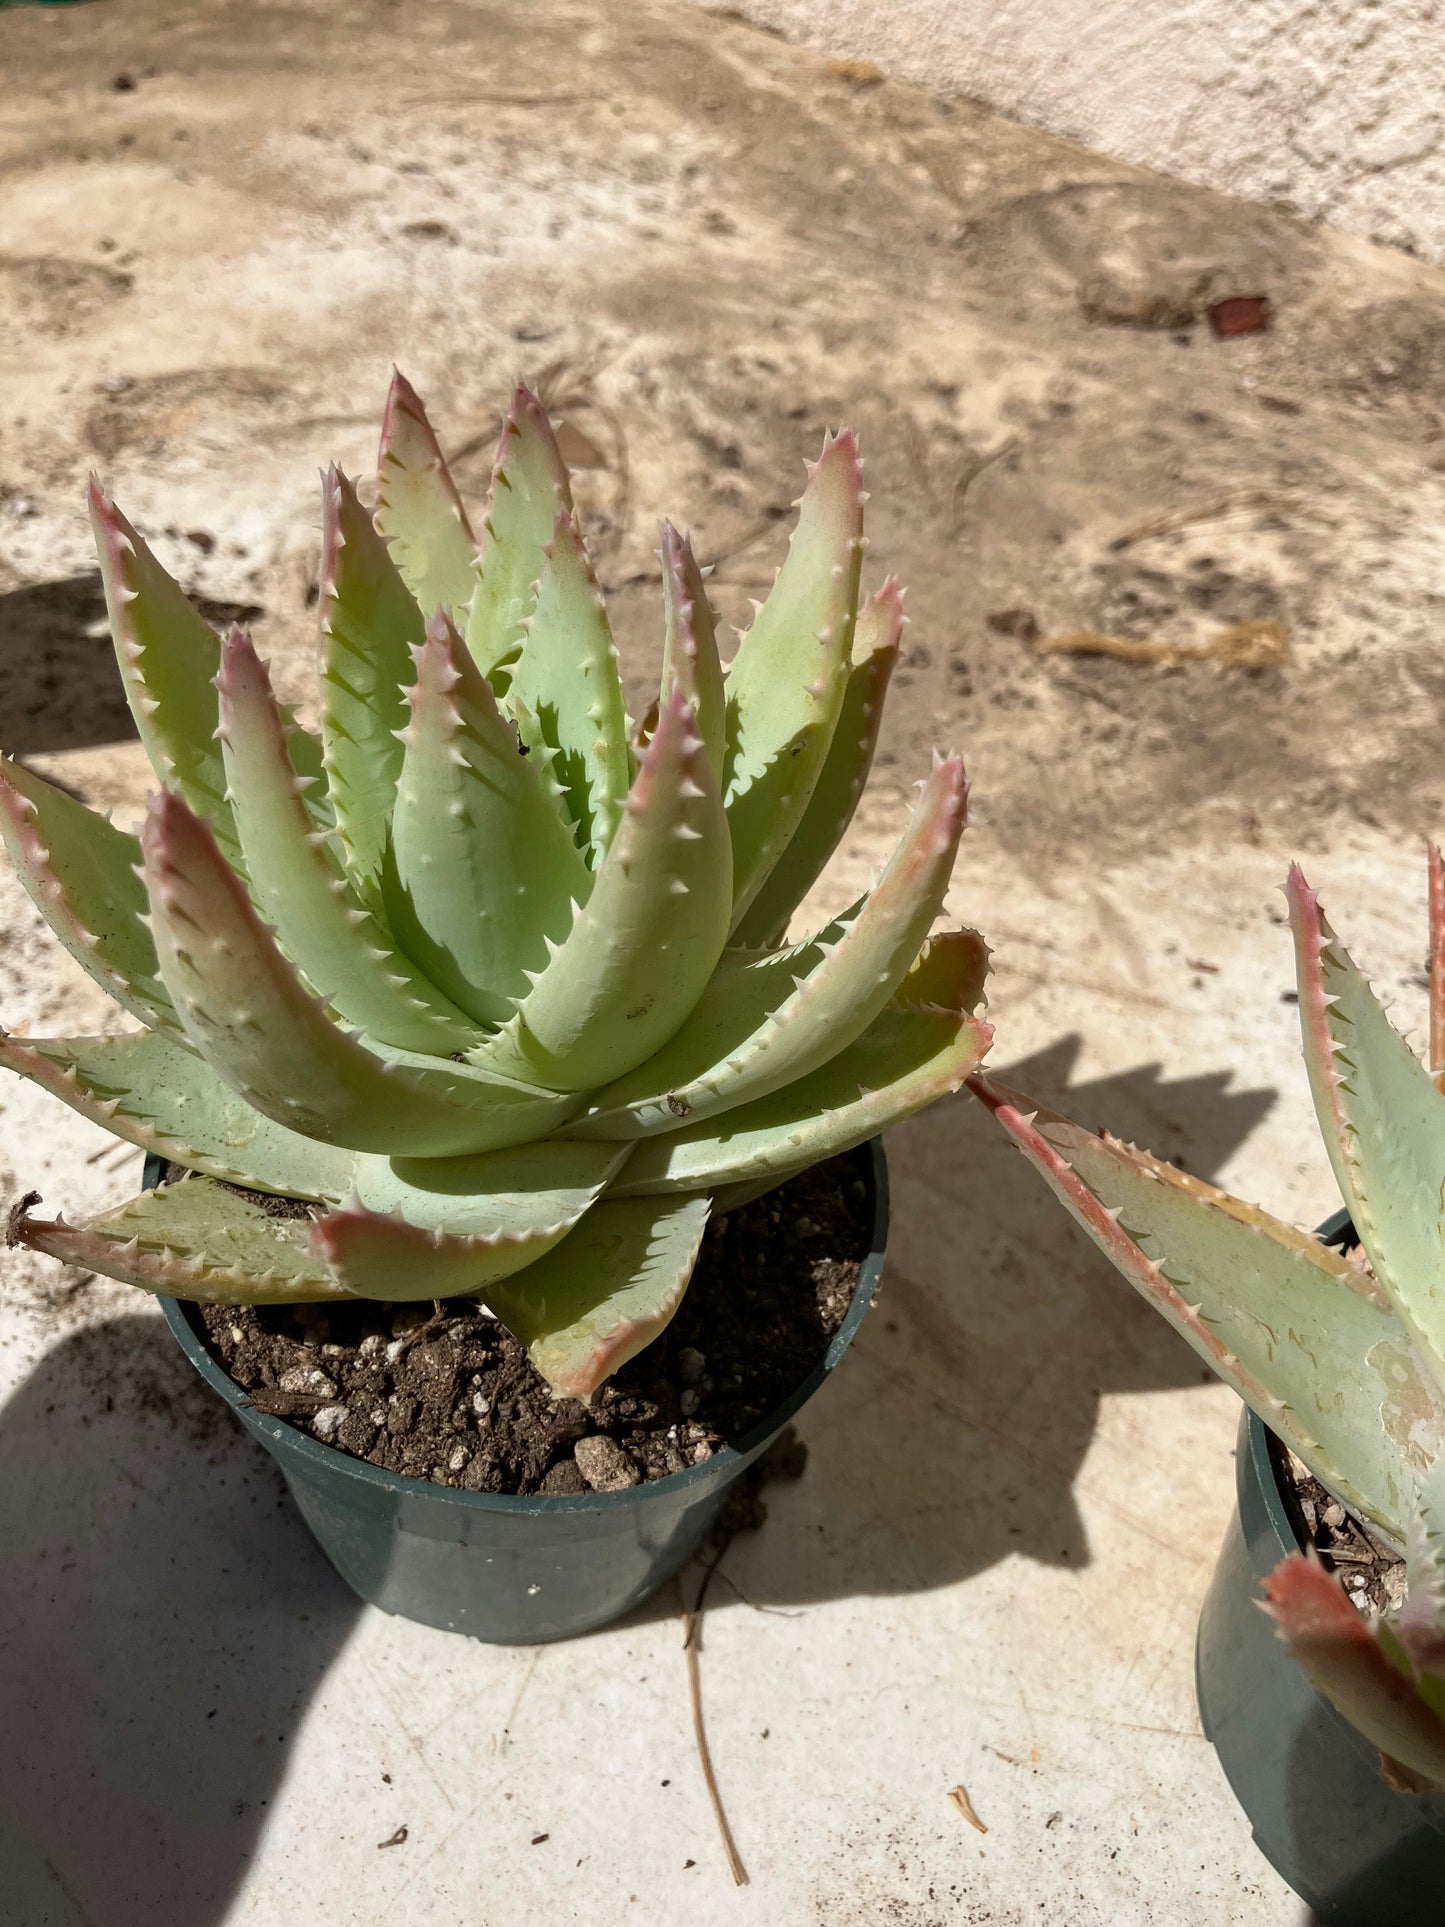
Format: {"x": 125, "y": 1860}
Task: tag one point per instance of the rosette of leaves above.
{"x": 1341, "y": 1354}
{"x": 495, "y": 982}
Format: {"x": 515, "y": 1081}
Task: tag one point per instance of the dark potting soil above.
{"x": 452, "y": 1397}
{"x": 1371, "y": 1574}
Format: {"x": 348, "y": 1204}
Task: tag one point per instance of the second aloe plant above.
{"x": 1343, "y": 1358}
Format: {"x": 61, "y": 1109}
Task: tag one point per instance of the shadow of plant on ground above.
{"x": 954, "y": 1431}
{"x": 62, "y": 688}
{"x": 166, "y": 1618}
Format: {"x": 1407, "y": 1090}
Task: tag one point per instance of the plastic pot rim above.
{"x": 182, "y": 1317}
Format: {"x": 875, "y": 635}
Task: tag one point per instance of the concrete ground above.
{"x": 218, "y": 228}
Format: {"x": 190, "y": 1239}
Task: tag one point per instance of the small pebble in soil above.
{"x": 327, "y": 1420}
{"x": 604, "y": 1465}
{"x": 691, "y": 1365}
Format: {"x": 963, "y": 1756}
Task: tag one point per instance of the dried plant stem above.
{"x": 691, "y": 1643}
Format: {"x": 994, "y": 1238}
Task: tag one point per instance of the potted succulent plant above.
{"x": 1339, "y": 1354}
{"x": 479, "y": 994}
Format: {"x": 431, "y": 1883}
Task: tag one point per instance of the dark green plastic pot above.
{"x": 513, "y": 1571}
{"x": 1310, "y": 1785}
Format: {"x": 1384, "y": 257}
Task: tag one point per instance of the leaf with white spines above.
{"x": 1383, "y": 1122}
{"x": 192, "y": 1240}
{"x": 168, "y": 655}
{"x": 530, "y": 489}
{"x": 588, "y": 1018}
{"x": 418, "y": 510}
{"x": 433, "y": 1228}
{"x": 152, "y": 1089}
{"x": 744, "y": 1040}
{"x": 912, "y": 1053}
{"x": 255, "y": 1023}
{"x": 689, "y": 649}
{"x": 369, "y": 626}
{"x": 481, "y": 870}
{"x": 323, "y": 926}
{"x": 606, "y": 1291}
{"x": 786, "y": 683}
{"x": 566, "y": 695}
{"x": 844, "y": 775}
{"x": 79, "y": 872}
{"x": 1305, "y": 1337}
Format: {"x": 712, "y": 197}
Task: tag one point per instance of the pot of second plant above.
{"x": 524, "y": 1568}
{"x": 1327, "y": 1711}
{"x": 1360, "y": 1851}
{"x": 479, "y": 998}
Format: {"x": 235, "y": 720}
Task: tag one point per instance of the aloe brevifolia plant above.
{"x": 497, "y": 984}
{"x": 1342, "y": 1358}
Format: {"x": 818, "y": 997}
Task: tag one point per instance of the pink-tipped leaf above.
{"x": 565, "y": 693}
{"x": 786, "y": 683}
{"x": 779, "y": 1016}
{"x": 689, "y": 649}
{"x": 370, "y": 624}
{"x": 1302, "y": 1335}
{"x": 1347, "y": 1662}
{"x": 844, "y": 775}
{"x": 660, "y": 901}
{"x": 530, "y": 489}
{"x": 266, "y": 1035}
{"x": 80, "y": 873}
{"x": 418, "y": 509}
{"x": 606, "y": 1291}
{"x": 482, "y": 872}
{"x": 194, "y": 1240}
{"x": 1383, "y": 1122}
{"x": 322, "y": 924}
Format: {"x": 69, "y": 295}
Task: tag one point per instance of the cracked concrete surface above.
{"x": 709, "y": 249}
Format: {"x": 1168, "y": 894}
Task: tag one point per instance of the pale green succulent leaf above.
{"x": 1420, "y": 1625}
{"x": 308, "y": 763}
{"x": 1305, "y": 1337}
{"x": 843, "y": 777}
{"x": 434, "y": 1228}
{"x": 785, "y": 1013}
{"x": 418, "y": 509}
{"x": 785, "y": 684}
{"x": 1383, "y": 1122}
{"x": 370, "y": 625}
{"x": 152, "y": 1089}
{"x": 192, "y": 1240}
{"x": 690, "y": 659}
{"x": 606, "y": 1291}
{"x": 906, "y": 1058}
{"x": 566, "y": 694}
{"x": 329, "y": 934}
{"x": 659, "y": 898}
{"x": 168, "y": 656}
{"x": 79, "y": 872}
{"x": 267, "y": 1036}
{"x": 1351, "y": 1663}
{"x": 530, "y": 488}
{"x": 514, "y": 1192}
{"x": 482, "y": 870}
